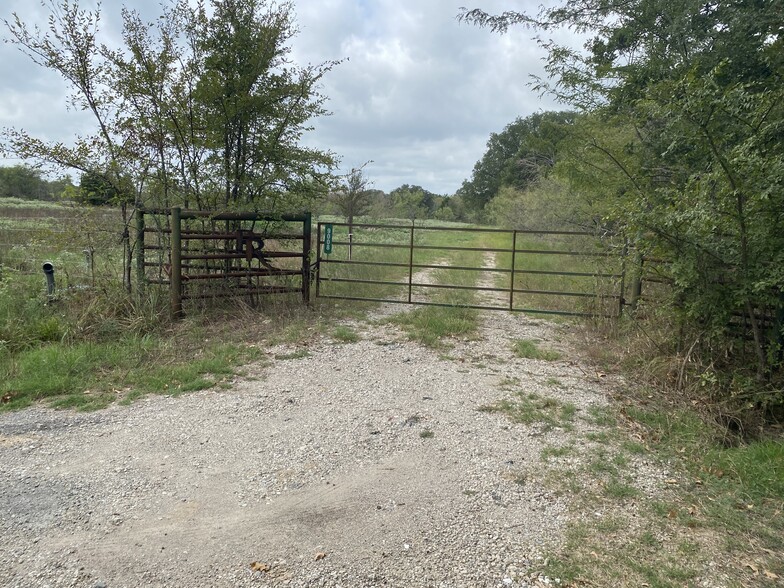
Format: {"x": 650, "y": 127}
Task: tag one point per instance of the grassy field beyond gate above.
{"x": 541, "y": 272}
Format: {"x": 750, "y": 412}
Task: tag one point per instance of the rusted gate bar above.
{"x": 185, "y": 265}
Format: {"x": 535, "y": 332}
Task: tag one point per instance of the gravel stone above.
{"x": 309, "y": 472}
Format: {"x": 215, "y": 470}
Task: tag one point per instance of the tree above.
{"x": 696, "y": 90}
{"x": 257, "y": 105}
{"x": 192, "y": 109}
{"x": 353, "y": 198}
{"x": 20, "y": 181}
{"x": 517, "y": 156}
{"x": 412, "y": 202}
{"x": 95, "y": 190}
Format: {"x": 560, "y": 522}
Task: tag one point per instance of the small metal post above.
{"x": 48, "y": 268}
{"x": 176, "y": 263}
{"x": 512, "y": 278}
{"x": 306, "y": 230}
{"x": 140, "y": 274}
{"x": 89, "y": 262}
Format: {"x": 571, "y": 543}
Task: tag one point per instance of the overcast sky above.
{"x": 418, "y": 94}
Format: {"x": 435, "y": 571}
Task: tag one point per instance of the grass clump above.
{"x": 717, "y": 511}
{"x": 531, "y": 408}
{"x": 89, "y": 375}
{"x": 430, "y": 325}
{"x": 552, "y": 451}
{"x": 527, "y": 349}
{"x": 91, "y": 347}
{"x": 345, "y": 334}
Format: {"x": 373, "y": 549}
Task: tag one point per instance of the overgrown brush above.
{"x": 712, "y": 372}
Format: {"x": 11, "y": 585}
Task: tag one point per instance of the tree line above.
{"x": 28, "y": 183}
{"x": 676, "y": 145}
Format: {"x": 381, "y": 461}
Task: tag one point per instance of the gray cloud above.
{"x": 418, "y": 92}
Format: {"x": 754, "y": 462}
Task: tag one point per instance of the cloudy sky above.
{"x": 418, "y": 92}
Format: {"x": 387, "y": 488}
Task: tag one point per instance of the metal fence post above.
{"x": 512, "y": 278}
{"x": 306, "y": 230}
{"x": 411, "y": 263}
{"x": 140, "y": 273}
{"x": 176, "y": 263}
{"x": 318, "y": 260}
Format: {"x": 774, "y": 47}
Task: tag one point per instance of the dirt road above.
{"x": 360, "y": 464}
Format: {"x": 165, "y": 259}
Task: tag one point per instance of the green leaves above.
{"x": 195, "y": 110}
{"x": 680, "y": 143}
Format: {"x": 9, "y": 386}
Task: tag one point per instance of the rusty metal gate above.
{"x": 572, "y": 273}
{"x": 207, "y": 255}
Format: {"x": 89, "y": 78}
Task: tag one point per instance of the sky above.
{"x": 417, "y": 92}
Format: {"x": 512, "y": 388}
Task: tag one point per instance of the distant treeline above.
{"x": 21, "y": 181}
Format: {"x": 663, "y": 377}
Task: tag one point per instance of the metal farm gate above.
{"x": 206, "y": 255}
{"x": 571, "y": 273}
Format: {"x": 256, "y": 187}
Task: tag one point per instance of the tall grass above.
{"x": 597, "y": 291}
{"x": 536, "y": 254}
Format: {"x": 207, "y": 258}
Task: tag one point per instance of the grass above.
{"x": 720, "y": 507}
{"x": 345, "y": 334}
{"x": 530, "y": 408}
{"x": 92, "y": 375}
{"x": 561, "y": 451}
{"x": 527, "y": 349}
{"x": 431, "y": 325}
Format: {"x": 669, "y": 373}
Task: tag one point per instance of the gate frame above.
{"x": 177, "y": 215}
{"x": 513, "y": 271}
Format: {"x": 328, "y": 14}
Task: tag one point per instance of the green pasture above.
{"x": 563, "y": 273}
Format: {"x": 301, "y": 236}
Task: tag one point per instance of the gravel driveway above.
{"x": 363, "y": 464}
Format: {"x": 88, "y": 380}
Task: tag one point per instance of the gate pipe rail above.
{"x": 513, "y": 271}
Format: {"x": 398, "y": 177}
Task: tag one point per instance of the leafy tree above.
{"x": 20, "y": 181}
{"x": 696, "y": 91}
{"x": 516, "y": 156}
{"x": 95, "y": 190}
{"x": 353, "y": 198}
{"x": 201, "y": 107}
{"x": 257, "y": 104}
{"x": 412, "y": 202}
